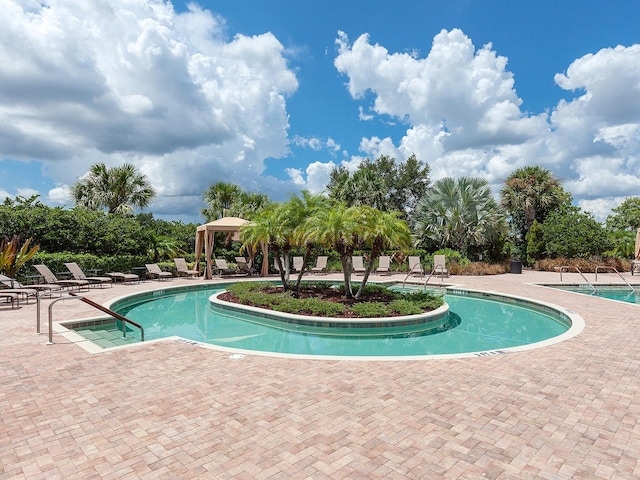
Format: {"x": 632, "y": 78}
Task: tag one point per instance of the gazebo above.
{"x": 205, "y": 235}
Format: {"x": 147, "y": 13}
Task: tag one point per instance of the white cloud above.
{"x": 59, "y": 196}
{"x": 132, "y": 80}
{"x": 463, "y": 115}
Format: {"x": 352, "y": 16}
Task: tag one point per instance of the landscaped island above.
{"x": 326, "y": 300}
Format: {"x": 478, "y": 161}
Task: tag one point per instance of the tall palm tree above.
{"x": 338, "y": 228}
{"x": 459, "y": 214}
{"x": 380, "y": 231}
{"x": 531, "y": 193}
{"x": 219, "y": 198}
{"x": 118, "y": 189}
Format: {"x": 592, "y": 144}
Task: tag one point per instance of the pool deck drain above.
{"x": 167, "y": 410}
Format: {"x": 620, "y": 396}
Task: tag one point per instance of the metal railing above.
{"x": 604, "y": 267}
{"x": 75, "y": 296}
{"x": 565, "y": 268}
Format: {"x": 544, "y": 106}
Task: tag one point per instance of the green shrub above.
{"x": 371, "y": 309}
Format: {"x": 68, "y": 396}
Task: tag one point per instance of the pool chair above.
{"x": 298, "y": 264}
{"x": 223, "y": 268}
{"x": 10, "y": 297}
{"x": 49, "y": 277}
{"x": 12, "y": 284}
{"x": 440, "y": 266}
{"x": 321, "y": 265}
{"x": 78, "y": 274}
{"x": 154, "y": 272}
{"x": 183, "y": 270}
{"x": 384, "y": 263}
{"x": 415, "y": 267}
{"x": 123, "y": 277}
{"x": 358, "y": 265}
{"x": 244, "y": 265}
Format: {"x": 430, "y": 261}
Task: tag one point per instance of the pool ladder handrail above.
{"x": 75, "y": 296}
{"x": 605, "y": 267}
{"x": 411, "y": 271}
{"x": 567, "y": 267}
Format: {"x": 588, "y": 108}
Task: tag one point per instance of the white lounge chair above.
{"x": 223, "y": 268}
{"x": 384, "y": 265}
{"x": 321, "y": 265}
{"x": 244, "y": 265}
{"x": 123, "y": 277}
{"x": 415, "y": 267}
{"x": 358, "y": 265}
{"x": 183, "y": 270}
{"x": 440, "y": 266}
{"x": 155, "y": 272}
{"x": 298, "y": 264}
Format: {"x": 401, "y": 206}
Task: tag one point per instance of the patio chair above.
{"x": 49, "y": 277}
{"x": 415, "y": 267}
{"x": 123, "y": 277}
{"x": 357, "y": 263}
{"x": 298, "y": 264}
{"x": 13, "y": 297}
{"x": 384, "y": 263}
{"x": 78, "y": 274}
{"x": 154, "y": 271}
{"x": 12, "y": 285}
{"x": 244, "y": 265}
{"x": 321, "y": 265}
{"x": 440, "y": 266}
{"x": 183, "y": 270}
{"x": 223, "y": 268}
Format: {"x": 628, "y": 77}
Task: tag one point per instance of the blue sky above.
{"x": 272, "y": 95}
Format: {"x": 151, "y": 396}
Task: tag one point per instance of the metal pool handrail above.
{"x": 604, "y": 267}
{"x": 567, "y": 267}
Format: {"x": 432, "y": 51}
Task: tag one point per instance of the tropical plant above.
{"x": 625, "y": 216}
{"x": 117, "y": 189}
{"x": 226, "y": 199}
{"x": 531, "y": 193}
{"x": 458, "y": 214}
{"x": 13, "y": 256}
{"x": 383, "y": 184}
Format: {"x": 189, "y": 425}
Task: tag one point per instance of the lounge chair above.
{"x": 154, "y": 271}
{"x": 123, "y": 277}
{"x": 244, "y": 266}
{"x": 298, "y": 264}
{"x": 78, "y": 274}
{"x": 384, "y": 263}
{"x": 440, "y": 266}
{"x": 49, "y": 277}
{"x": 415, "y": 267}
{"x": 223, "y": 268}
{"x": 183, "y": 270}
{"x": 13, "y": 297}
{"x": 357, "y": 265}
{"x": 12, "y": 285}
{"x": 321, "y": 265}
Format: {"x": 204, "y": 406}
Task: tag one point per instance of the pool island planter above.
{"x": 427, "y": 322}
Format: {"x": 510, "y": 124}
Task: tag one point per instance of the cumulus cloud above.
{"x": 463, "y": 115}
{"x": 133, "y": 80}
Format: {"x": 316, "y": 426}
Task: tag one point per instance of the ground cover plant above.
{"x": 323, "y": 299}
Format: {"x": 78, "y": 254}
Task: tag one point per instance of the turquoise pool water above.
{"x": 476, "y": 324}
{"x": 621, "y": 293}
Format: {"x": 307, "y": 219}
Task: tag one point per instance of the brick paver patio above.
{"x": 175, "y": 410}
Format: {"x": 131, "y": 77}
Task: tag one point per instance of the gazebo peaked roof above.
{"x": 224, "y": 224}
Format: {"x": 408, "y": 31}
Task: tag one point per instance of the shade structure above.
{"x": 637, "y": 249}
{"x": 205, "y": 235}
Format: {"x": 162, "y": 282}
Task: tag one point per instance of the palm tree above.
{"x": 117, "y": 189}
{"x": 219, "y": 198}
{"x": 531, "y": 193}
{"x": 459, "y": 214}
{"x": 380, "y": 231}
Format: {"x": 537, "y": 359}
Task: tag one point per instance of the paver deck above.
{"x": 173, "y": 410}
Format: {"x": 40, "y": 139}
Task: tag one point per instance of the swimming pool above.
{"x": 479, "y": 324}
{"x": 621, "y": 293}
